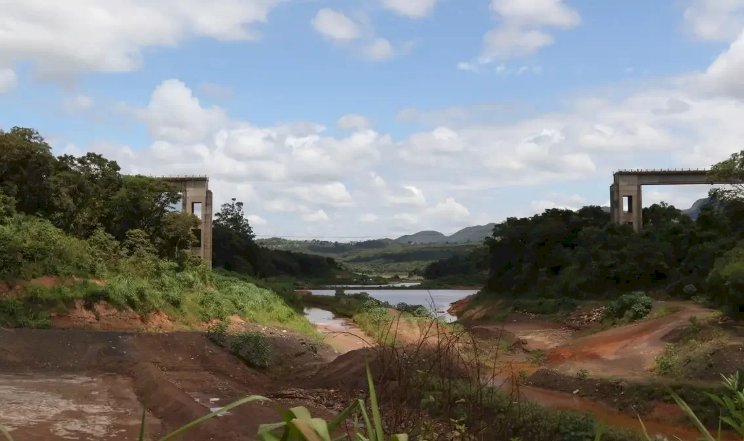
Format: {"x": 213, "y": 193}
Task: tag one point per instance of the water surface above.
{"x": 436, "y": 300}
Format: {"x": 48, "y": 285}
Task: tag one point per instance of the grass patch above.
{"x": 187, "y": 297}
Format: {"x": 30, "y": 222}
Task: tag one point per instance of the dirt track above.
{"x": 87, "y": 385}
{"x": 628, "y": 351}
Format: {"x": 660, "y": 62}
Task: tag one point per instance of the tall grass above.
{"x": 188, "y": 297}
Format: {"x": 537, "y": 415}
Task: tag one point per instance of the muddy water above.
{"x": 340, "y": 333}
{"x": 71, "y": 407}
{"x": 436, "y": 300}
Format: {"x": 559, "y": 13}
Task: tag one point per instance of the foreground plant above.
{"x": 299, "y": 424}
{"x": 730, "y": 405}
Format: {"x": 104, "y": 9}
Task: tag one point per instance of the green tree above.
{"x": 7, "y": 207}
{"x": 178, "y": 233}
{"x": 730, "y": 170}
{"x": 140, "y": 203}
{"x": 231, "y": 216}
{"x": 81, "y": 188}
{"x": 26, "y": 164}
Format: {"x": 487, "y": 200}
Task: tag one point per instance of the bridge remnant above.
{"x": 626, "y": 197}
{"x": 196, "y": 198}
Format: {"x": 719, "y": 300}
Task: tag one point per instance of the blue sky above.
{"x": 365, "y": 118}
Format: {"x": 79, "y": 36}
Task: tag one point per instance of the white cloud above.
{"x": 357, "y": 36}
{"x": 720, "y": 20}
{"x": 523, "y": 29}
{"x": 536, "y": 13}
{"x": 8, "y": 80}
{"x": 354, "y": 121}
{"x": 411, "y": 8}
{"x": 726, "y": 75}
{"x": 78, "y": 103}
{"x": 332, "y": 194}
{"x": 409, "y": 196}
{"x": 368, "y": 218}
{"x": 450, "y": 210}
{"x": 379, "y": 49}
{"x": 255, "y": 220}
{"x": 316, "y": 216}
{"x": 62, "y": 39}
{"x": 174, "y": 114}
{"x": 335, "y": 25}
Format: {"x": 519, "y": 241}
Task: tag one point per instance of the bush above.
{"x": 31, "y": 247}
{"x": 629, "y": 307}
{"x": 544, "y": 305}
{"x": 252, "y": 347}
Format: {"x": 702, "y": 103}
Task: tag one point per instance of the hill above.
{"x": 474, "y": 234}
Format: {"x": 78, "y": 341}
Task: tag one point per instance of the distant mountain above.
{"x": 474, "y": 234}
{"x": 694, "y": 211}
{"x": 423, "y": 237}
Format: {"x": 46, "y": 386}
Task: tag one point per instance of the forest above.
{"x": 580, "y": 254}
{"x": 80, "y": 207}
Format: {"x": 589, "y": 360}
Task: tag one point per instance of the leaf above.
{"x": 376, "y": 417}
{"x": 399, "y": 437}
{"x": 312, "y": 429}
{"x": 643, "y": 427}
{"x": 691, "y": 414}
{"x": 600, "y": 430}
{"x": 367, "y": 423}
{"x": 340, "y": 418}
{"x": 180, "y": 431}
{"x": 5, "y": 433}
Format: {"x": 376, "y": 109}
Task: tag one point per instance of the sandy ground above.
{"x": 71, "y": 407}
{"x": 88, "y": 385}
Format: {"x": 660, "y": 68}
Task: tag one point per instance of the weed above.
{"x": 537, "y": 357}
{"x": 252, "y": 347}
{"x": 582, "y": 374}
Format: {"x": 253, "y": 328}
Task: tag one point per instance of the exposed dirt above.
{"x": 96, "y": 381}
{"x": 533, "y": 334}
{"x": 102, "y": 316}
{"x": 628, "y": 351}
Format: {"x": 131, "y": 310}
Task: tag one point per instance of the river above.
{"x": 436, "y": 300}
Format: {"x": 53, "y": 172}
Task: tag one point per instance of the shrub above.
{"x": 252, "y": 347}
{"x": 629, "y": 307}
{"x": 32, "y": 247}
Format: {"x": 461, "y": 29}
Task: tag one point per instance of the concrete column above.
{"x": 206, "y": 247}
{"x": 638, "y": 210}
{"x": 615, "y": 204}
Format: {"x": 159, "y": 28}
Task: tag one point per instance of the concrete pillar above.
{"x": 195, "y": 190}
{"x": 615, "y": 204}
{"x": 206, "y": 247}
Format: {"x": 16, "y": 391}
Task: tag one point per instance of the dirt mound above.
{"x": 493, "y": 333}
{"x": 723, "y": 361}
{"x": 457, "y": 307}
{"x": 179, "y": 375}
{"x": 628, "y": 350}
{"x": 347, "y": 371}
{"x": 103, "y": 316}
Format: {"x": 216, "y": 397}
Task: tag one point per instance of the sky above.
{"x": 354, "y": 119}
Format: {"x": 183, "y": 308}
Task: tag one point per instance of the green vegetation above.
{"x": 378, "y": 260}
{"x": 690, "y": 353}
{"x": 581, "y": 255}
{"x": 102, "y": 236}
{"x": 252, "y": 347}
{"x": 470, "y": 268}
{"x": 628, "y": 308}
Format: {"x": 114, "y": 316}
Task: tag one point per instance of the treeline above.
{"x": 581, "y": 254}
{"x": 56, "y": 213}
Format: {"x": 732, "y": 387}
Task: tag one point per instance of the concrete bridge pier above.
{"x": 626, "y": 202}
{"x": 626, "y": 196}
